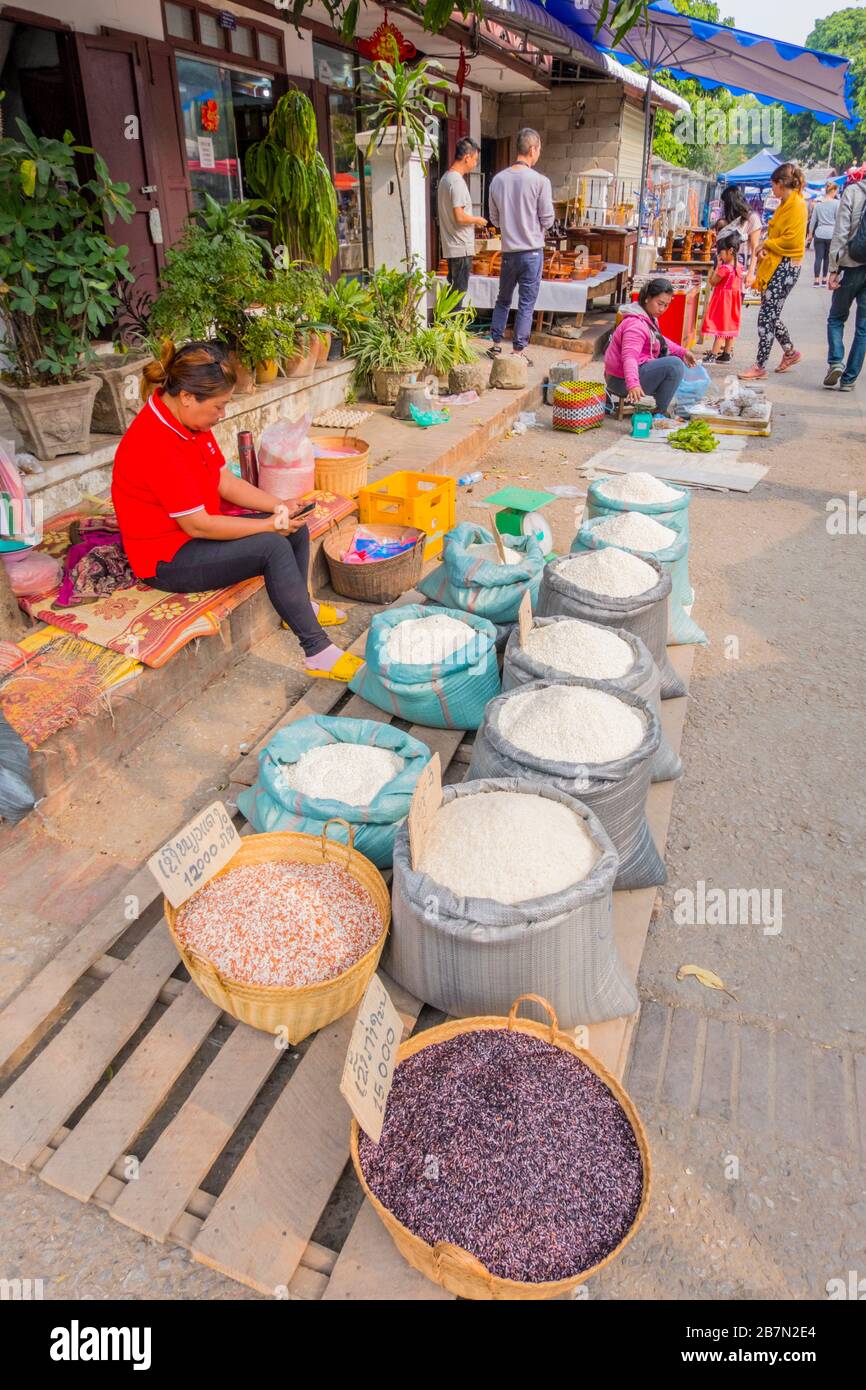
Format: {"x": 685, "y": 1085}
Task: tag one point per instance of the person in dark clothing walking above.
{"x": 848, "y": 283}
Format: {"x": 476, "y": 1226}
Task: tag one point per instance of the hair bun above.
{"x": 156, "y": 372}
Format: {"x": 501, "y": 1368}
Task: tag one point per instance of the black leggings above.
{"x": 283, "y": 561}
{"x": 822, "y": 257}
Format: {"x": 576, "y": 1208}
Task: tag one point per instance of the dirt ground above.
{"x": 747, "y": 1203}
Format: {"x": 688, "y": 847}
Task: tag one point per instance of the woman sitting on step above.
{"x": 169, "y": 480}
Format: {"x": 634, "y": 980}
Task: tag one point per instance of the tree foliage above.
{"x": 806, "y": 139}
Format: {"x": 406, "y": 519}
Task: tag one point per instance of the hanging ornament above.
{"x": 387, "y": 44}
{"x": 210, "y": 116}
{"x": 463, "y": 71}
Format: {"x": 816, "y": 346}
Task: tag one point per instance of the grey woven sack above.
{"x": 473, "y": 956}
{"x": 646, "y": 615}
{"x": 643, "y": 679}
{"x": 615, "y": 791}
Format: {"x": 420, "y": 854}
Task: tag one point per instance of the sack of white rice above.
{"x": 321, "y": 768}
{"x": 645, "y": 536}
{"x": 612, "y": 587}
{"x": 472, "y": 578}
{"x": 433, "y": 666}
{"x": 596, "y": 745}
{"x": 559, "y": 648}
{"x": 476, "y": 919}
{"x": 641, "y": 492}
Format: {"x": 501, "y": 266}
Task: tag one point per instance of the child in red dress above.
{"x": 722, "y": 317}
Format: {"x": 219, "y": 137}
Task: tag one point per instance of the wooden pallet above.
{"x": 91, "y": 1079}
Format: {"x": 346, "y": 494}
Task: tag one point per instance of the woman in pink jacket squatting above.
{"x": 640, "y": 360}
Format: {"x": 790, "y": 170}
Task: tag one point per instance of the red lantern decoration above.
{"x": 386, "y": 44}
{"x": 210, "y": 116}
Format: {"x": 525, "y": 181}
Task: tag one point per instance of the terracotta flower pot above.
{"x": 301, "y": 363}
{"x": 322, "y": 345}
{"x": 52, "y": 420}
{"x": 117, "y": 400}
{"x": 266, "y": 372}
{"x": 244, "y": 378}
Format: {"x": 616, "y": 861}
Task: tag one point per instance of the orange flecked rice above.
{"x": 281, "y": 924}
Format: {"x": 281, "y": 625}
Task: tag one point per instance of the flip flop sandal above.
{"x": 494, "y": 351}
{"x": 788, "y": 361}
{"x": 342, "y": 670}
{"x": 327, "y": 616}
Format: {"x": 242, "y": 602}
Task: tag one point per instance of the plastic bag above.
{"x": 16, "y": 794}
{"x": 471, "y": 956}
{"x": 32, "y": 572}
{"x": 643, "y": 679}
{"x": 682, "y": 628}
{"x": 287, "y": 459}
{"x": 475, "y": 585}
{"x": 17, "y": 513}
{"x": 646, "y": 615}
{"x": 614, "y": 791}
{"x": 270, "y": 805}
{"x": 693, "y": 387}
{"x": 447, "y": 694}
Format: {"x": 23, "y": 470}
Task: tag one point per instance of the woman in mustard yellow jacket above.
{"x": 779, "y": 261}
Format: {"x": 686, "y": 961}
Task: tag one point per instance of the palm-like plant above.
{"x": 402, "y": 101}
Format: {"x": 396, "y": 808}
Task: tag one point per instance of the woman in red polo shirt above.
{"x": 169, "y": 478}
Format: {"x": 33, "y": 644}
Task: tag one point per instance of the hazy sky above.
{"x": 781, "y": 19}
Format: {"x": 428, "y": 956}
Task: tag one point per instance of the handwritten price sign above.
{"x": 192, "y": 857}
{"x": 371, "y": 1059}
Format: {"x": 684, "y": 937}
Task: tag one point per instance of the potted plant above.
{"x": 347, "y": 306}
{"x": 119, "y": 396}
{"x": 445, "y": 343}
{"x": 212, "y": 277}
{"x": 400, "y": 111}
{"x": 287, "y": 169}
{"x": 265, "y": 340}
{"x": 58, "y": 271}
{"x": 387, "y": 354}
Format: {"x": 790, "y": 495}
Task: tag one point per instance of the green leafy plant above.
{"x": 348, "y": 306}
{"x": 694, "y": 438}
{"x": 58, "y": 268}
{"x": 445, "y": 344}
{"x": 214, "y": 273}
{"x": 401, "y": 102}
{"x": 287, "y": 169}
{"x": 434, "y": 14}
{"x": 265, "y": 337}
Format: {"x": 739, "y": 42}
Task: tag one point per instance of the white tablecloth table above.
{"x": 556, "y": 296}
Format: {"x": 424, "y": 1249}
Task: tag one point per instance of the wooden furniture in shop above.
{"x": 689, "y": 245}
{"x": 617, "y": 245}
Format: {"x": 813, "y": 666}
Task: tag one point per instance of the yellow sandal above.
{"x": 327, "y": 616}
{"x": 342, "y": 670}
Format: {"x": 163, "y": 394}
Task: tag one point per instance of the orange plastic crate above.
{"x": 427, "y": 501}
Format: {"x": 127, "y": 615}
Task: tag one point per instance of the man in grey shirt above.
{"x": 456, "y": 221}
{"x": 521, "y": 205}
{"x": 848, "y": 283}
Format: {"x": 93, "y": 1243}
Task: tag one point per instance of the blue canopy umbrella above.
{"x": 757, "y": 171}
{"x": 717, "y": 55}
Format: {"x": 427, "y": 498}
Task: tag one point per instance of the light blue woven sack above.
{"x": 480, "y": 586}
{"x": 682, "y": 628}
{"x": 269, "y": 805}
{"x": 446, "y": 694}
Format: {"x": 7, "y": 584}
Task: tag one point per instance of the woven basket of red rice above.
{"x": 287, "y": 936}
{"x": 512, "y": 1165}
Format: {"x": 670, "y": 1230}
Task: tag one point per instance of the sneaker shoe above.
{"x": 710, "y": 357}
{"x": 834, "y": 371}
{"x": 846, "y": 386}
{"x": 789, "y": 360}
{"x": 724, "y": 357}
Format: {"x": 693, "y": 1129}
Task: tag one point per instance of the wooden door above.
{"x": 114, "y": 81}
{"x": 175, "y": 189}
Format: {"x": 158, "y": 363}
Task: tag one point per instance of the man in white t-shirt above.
{"x": 457, "y": 222}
